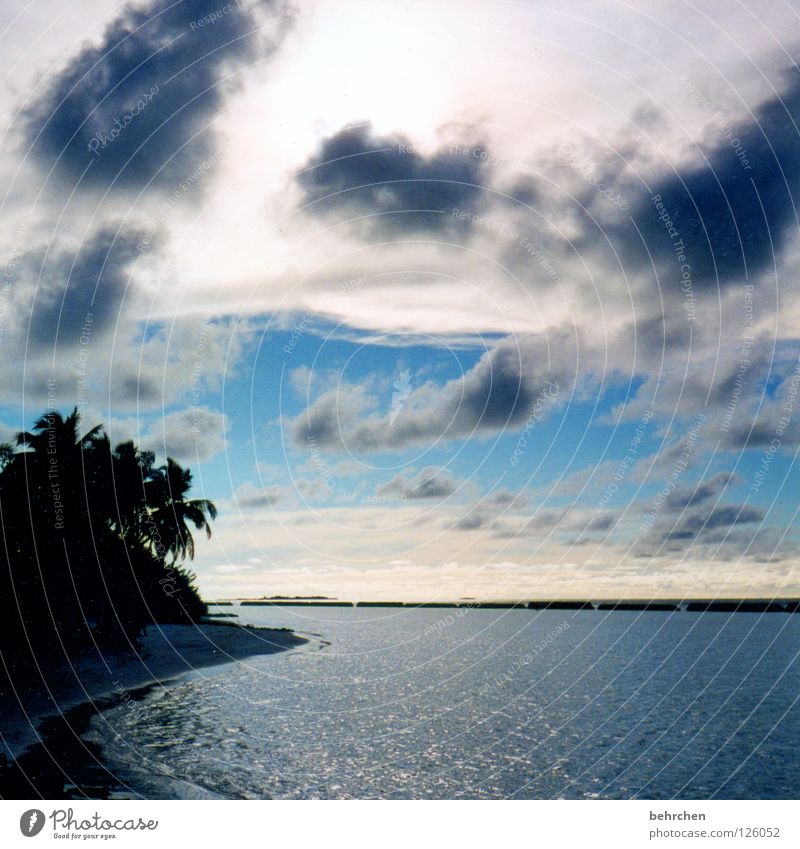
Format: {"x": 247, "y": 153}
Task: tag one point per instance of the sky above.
{"x": 437, "y": 300}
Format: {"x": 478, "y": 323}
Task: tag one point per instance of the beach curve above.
{"x": 60, "y": 700}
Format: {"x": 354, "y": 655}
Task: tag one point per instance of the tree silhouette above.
{"x": 53, "y": 433}
{"x": 172, "y": 512}
{"x": 93, "y": 538}
{"x": 6, "y": 454}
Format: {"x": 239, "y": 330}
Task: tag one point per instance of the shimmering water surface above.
{"x": 438, "y": 703}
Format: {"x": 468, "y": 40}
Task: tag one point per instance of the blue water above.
{"x": 494, "y": 704}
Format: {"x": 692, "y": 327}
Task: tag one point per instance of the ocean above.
{"x": 399, "y": 703}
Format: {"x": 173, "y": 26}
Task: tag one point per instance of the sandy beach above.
{"x": 88, "y": 683}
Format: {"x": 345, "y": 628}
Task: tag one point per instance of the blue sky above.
{"x": 435, "y": 302}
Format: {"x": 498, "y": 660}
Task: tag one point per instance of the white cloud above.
{"x": 191, "y": 435}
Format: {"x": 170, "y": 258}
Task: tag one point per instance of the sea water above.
{"x": 441, "y": 703}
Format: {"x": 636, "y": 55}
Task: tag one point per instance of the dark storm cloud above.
{"x": 489, "y": 510}
{"x": 776, "y": 424}
{"x": 763, "y": 432}
{"x": 604, "y": 522}
{"x": 504, "y": 498}
{"x": 131, "y": 386}
{"x": 496, "y": 392}
{"x": 656, "y": 335}
{"x": 126, "y": 107}
{"x": 431, "y": 482}
{"x": 71, "y": 295}
{"x": 331, "y": 416}
{"x": 702, "y": 492}
{"x": 508, "y": 384}
{"x": 515, "y": 384}
{"x": 472, "y": 522}
{"x": 724, "y": 383}
{"x": 722, "y": 217}
{"x": 356, "y": 173}
{"x": 577, "y": 523}
{"x": 720, "y": 220}
{"x": 694, "y": 514}
{"x": 704, "y": 522}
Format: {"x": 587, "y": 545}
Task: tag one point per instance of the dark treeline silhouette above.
{"x": 94, "y": 538}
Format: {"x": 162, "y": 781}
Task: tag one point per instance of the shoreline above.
{"x": 690, "y": 605}
{"x": 41, "y": 737}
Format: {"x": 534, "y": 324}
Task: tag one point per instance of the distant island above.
{"x": 786, "y": 605}
{"x": 298, "y": 598}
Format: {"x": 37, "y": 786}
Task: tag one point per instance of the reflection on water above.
{"x": 437, "y": 703}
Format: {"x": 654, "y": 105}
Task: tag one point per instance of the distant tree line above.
{"x": 93, "y": 540}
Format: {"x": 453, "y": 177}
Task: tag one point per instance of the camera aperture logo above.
{"x": 66, "y": 825}
{"x": 31, "y": 822}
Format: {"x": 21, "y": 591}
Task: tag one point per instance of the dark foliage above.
{"x": 93, "y": 541}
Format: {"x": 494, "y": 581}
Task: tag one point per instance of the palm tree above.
{"x": 56, "y": 435}
{"x": 87, "y": 533}
{"x": 170, "y": 514}
{"x": 7, "y": 452}
{"x": 61, "y": 460}
{"x": 131, "y": 469}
